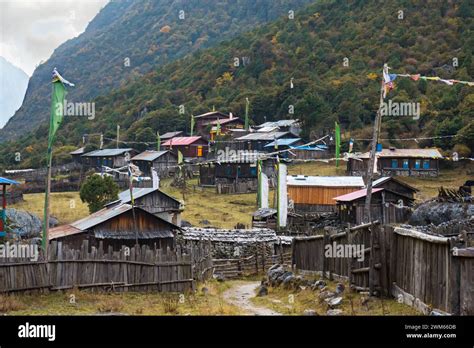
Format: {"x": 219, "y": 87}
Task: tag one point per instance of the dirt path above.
{"x": 241, "y": 293}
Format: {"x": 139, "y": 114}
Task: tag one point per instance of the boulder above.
{"x": 318, "y": 285}
{"x": 333, "y": 312}
{"x": 340, "y": 288}
{"x": 310, "y": 312}
{"x": 326, "y": 294}
{"x": 219, "y": 277}
{"x": 24, "y": 223}
{"x": 262, "y": 291}
{"x": 333, "y": 302}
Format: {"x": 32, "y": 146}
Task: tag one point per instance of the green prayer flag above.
{"x": 57, "y": 107}
{"x": 338, "y": 143}
{"x": 158, "y": 141}
{"x": 192, "y": 125}
{"x": 180, "y": 157}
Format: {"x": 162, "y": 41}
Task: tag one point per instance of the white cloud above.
{"x": 30, "y": 30}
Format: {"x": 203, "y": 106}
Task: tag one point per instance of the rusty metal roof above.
{"x": 181, "y": 141}
{"x": 325, "y": 181}
{"x": 349, "y": 197}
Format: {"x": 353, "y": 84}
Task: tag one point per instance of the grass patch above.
{"x": 289, "y": 302}
{"x": 209, "y": 302}
{"x": 65, "y": 206}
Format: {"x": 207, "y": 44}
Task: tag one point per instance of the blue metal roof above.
{"x": 283, "y": 142}
{"x": 5, "y": 181}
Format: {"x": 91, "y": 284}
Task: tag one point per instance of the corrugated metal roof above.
{"x": 149, "y": 155}
{"x": 78, "y": 151}
{"x": 169, "y": 135}
{"x": 181, "y": 141}
{"x": 384, "y": 179}
{"x": 211, "y": 113}
{"x": 100, "y": 217}
{"x": 262, "y": 136}
{"x": 283, "y": 142}
{"x": 62, "y": 231}
{"x": 5, "y": 181}
{"x": 349, "y": 197}
{"x": 268, "y": 129}
{"x": 132, "y": 235}
{"x": 243, "y": 157}
{"x": 325, "y": 181}
{"x": 418, "y": 153}
{"x": 138, "y": 192}
{"x": 107, "y": 152}
{"x": 280, "y": 123}
{"x": 225, "y": 121}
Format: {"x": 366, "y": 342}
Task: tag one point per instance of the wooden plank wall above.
{"x": 136, "y": 269}
{"x": 317, "y": 194}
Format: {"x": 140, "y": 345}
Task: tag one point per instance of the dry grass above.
{"x": 289, "y": 302}
{"x": 130, "y": 303}
{"x": 65, "y": 206}
{"x": 10, "y": 303}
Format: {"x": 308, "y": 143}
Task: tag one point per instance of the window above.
{"x": 426, "y": 164}
{"x": 405, "y": 163}
{"x": 417, "y": 164}
{"x": 253, "y": 171}
{"x": 394, "y": 163}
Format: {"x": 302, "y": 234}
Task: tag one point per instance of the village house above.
{"x": 202, "y": 122}
{"x": 401, "y": 162}
{"x": 169, "y": 135}
{"x": 235, "y": 175}
{"x": 4, "y": 182}
{"x": 156, "y": 202}
{"x": 396, "y": 185}
{"x": 291, "y": 126}
{"x": 316, "y": 193}
{"x": 117, "y": 225}
{"x": 387, "y": 206}
{"x": 190, "y": 147}
{"x": 164, "y": 162}
{"x": 227, "y": 126}
{"x": 76, "y": 155}
{"x": 113, "y": 158}
{"x": 256, "y": 141}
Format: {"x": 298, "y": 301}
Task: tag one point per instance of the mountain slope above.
{"x": 13, "y": 83}
{"x": 311, "y": 49}
{"x": 129, "y": 38}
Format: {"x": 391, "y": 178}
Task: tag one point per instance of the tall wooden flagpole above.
{"x": 373, "y": 151}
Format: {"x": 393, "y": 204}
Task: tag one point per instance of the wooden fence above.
{"x": 131, "y": 269}
{"x": 424, "y": 271}
{"x": 356, "y": 262}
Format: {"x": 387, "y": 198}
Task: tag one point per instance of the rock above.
{"x": 319, "y": 284}
{"x": 282, "y": 277}
{"x": 24, "y": 223}
{"x": 53, "y": 222}
{"x": 333, "y": 302}
{"x": 437, "y": 313}
{"x": 433, "y": 212}
{"x": 204, "y": 222}
{"x": 340, "y": 288}
{"x": 274, "y": 273}
{"x": 205, "y": 290}
{"x": 333, "y": 312}
{"x": 309, "y": 312}
{"x": 262, "y": 291}
{"x": 326, "y": 294}
{"x": 185, "y": 223}
{"x": 288, "y": 282}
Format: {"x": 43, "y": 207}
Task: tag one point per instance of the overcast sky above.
{"x": 30, "y": 30}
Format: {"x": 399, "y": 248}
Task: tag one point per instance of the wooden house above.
{"x": 295, "y": 149}
{"x": 169, "y": 135}
{"x": 164, "y": 162}
{"x": 394, "y": 184}
{"x": 202, "y": 122}
{"x": 117, "y": 225}
{"x": 190, "y": 147}
{"x": 292, "y": 126}
{"x": 227, "y": 126}
{"x": 401, "y": 162}
{"x": 113, "y": 158}
{"x": 236, "y": 175}
{"x": 156, "y": 202}
{"x": 316, "y": 193}
{"x": 386, "y": 206}
{"x": 76, "y": 154}
{"x": 256, "y": 141}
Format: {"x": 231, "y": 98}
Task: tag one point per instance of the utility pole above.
{"x": 118, "y": 135}
{"x": 373, "y": 151}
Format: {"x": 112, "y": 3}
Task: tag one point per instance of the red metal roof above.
{"x": 349, "y": 197}
{"x": 181, "y": 141}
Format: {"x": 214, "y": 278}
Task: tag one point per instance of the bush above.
{"x": 97, "y": 191}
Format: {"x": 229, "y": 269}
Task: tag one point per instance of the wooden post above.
{"x": 454, "y": 281}
{"x": 325, "y": 259}
{"x": 373, "y": 150}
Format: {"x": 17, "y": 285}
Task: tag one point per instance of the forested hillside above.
{"x": 333, "y": 50}
{"x": 131, "y": 37}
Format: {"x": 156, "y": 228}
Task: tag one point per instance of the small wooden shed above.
{"x": 117, "y": 225}
{"x": 164, "y": 162}
{"x": 316, "y": 193}
{"x": 190, "y": 147}
{"x": 113, "y": 158}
